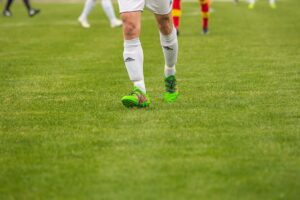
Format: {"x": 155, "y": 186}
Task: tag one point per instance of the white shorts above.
{"x": 161, "y": 7}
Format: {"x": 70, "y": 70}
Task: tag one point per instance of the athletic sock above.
{"x": 176, "y": 13}
{"x": 170, "y": 49}
{"x": 205, "y": 13}
{"x": 88, "y": 6}
{"x": 8, "y": 4}
{"x": 109, "y": 10}
{"x": 27, "y": 4}
{"x": 134, "y": 59}
{"x": 272, "y": 2}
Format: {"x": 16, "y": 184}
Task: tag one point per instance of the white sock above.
{"x": 170, "y": 71}
{"x": 272, "y": 1}
{"x": 170, "y": 50}
{"x": 140, "y": 85}
{"x": 134, "y": 59}
{"x": 88, "y": 6}
{"x": 109, "y": 10}
{"x": 251, "y": 1}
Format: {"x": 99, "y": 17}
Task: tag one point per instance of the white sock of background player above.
{"x": 88, "y": 6}
{"x": 251, "y": 1}
{"x": 272, "y": 2}
{"x": 109, "y": 10}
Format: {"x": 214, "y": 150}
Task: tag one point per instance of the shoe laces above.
{"x": 141, "y": 96}
{"x": 170, "y": 84}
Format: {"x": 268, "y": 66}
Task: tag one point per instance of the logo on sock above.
{"x": 129, "y": 59}
{"x": 167, "y": 48}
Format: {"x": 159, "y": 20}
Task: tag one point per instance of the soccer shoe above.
{"x": 273, "y": 5}
{"x": 177, "y": 32}
{"x": 7, "y": 13}
{"x": 171, "y": 93}
{"x": 84, "y": 22}
{"x": 33, "y": 12}
{"x": 251, "y": 6}
{"x": 116, "y": 23}
{"x": 205, "y": 31}
{"x": 137, "y": 98}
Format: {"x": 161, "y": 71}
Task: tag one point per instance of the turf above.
{"x": 232, "y": 134}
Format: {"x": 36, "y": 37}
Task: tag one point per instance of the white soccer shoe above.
{"x": 116, "y": 23}
{"x": 84, "y": 22}
{"x": 7, "y": 13}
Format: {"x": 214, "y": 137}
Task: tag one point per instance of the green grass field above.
{"x": 233, "y": 134}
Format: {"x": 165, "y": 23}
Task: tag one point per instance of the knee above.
{"x": 131, "y": 27}
{"x": 165, "y": 25}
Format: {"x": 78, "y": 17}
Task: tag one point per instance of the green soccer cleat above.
{"x": 137, "y": 98}
{"x": 171, "y": 93}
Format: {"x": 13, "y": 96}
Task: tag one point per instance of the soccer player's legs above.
{"x": 110, "y": 13}
{"x": 31, "y": 11}
{"x": 83, "y": 19}
{"x": 251, "y": 4}
{"x": 204, "y": 7}
{"x": 134, "y": 59}
{"x": 133, "y": 53}
{"x": 272, "y": 4}
{"x": 27, "y": 4}
{"x": 176, "y": 13}
{"x": 168, "y": 39}
{"x": 6, "y": 11}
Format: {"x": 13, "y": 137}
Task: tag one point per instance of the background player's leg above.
{"x": 176, "y": 13}
{"x": 133, "y": 52}
{"x": 6, "y": 11}
{"x": 27, "y": 4}
{"x": 204, "y": 4}
{"x": 8, "y": 4}
{"x": 272, "y": 4}
{"x": 110, "y": 13}
{"x": 168, "y": 39}
{"x": 31, "y": 11}
{"x": 251, "y": 4}
{"x": 88, "y": 6}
